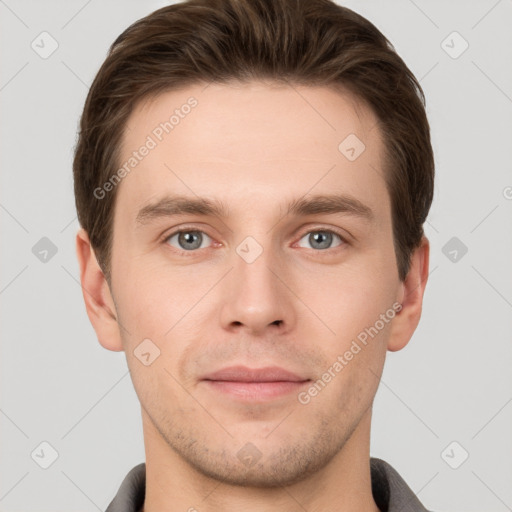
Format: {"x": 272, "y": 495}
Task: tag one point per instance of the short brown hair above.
{"x": 305, "y": 42}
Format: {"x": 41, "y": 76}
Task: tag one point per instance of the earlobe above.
{"x": 98, "y": 300}
{"x": 405, "y": 322}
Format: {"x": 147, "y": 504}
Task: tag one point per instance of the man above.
{"x": 252, "y": 178}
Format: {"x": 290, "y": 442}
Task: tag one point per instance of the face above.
{"x": 276, "y": 276}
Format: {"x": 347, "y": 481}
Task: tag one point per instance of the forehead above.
{"x": 239, "y": 140}
{"x": 237, "y": 111}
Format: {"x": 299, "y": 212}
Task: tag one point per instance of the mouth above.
{"x": 259, "y": 384}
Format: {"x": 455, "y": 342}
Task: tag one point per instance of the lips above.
{"x": 245, "y": 374}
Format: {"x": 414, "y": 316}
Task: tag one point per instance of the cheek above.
{"x": 161, "y": 305}
{"x": 142, "y": 323}
{"x": 152, "y": 297}
{"x": 347, "y": 299}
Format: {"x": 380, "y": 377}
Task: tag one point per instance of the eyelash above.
{"x": 195, "y": 251}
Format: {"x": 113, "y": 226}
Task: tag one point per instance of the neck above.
{"x": 344, "y": 483}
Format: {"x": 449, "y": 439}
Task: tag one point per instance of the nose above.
{"x": 256, "y": 296}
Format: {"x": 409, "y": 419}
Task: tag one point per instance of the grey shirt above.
{"x": 390, "y": 492}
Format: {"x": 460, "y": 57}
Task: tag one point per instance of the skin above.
{"x": 255, "y": 146}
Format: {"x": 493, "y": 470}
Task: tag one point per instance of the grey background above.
{"x": 451, "y": 383}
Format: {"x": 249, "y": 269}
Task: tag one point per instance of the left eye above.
{"x": 321, "y": 239}
{"x": 189, "y": 240}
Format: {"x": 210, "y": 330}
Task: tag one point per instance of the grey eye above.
{"x": 321, "y": 239}
{"x": 188, "y": 240}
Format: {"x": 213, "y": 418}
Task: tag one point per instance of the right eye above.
{"x": 187, "y": 239}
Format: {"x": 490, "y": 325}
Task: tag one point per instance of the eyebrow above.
{"x": 170, "y": 206}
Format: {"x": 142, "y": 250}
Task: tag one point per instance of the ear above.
{"x": 99, "y": 303}
{"x": 411, "y": 291}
